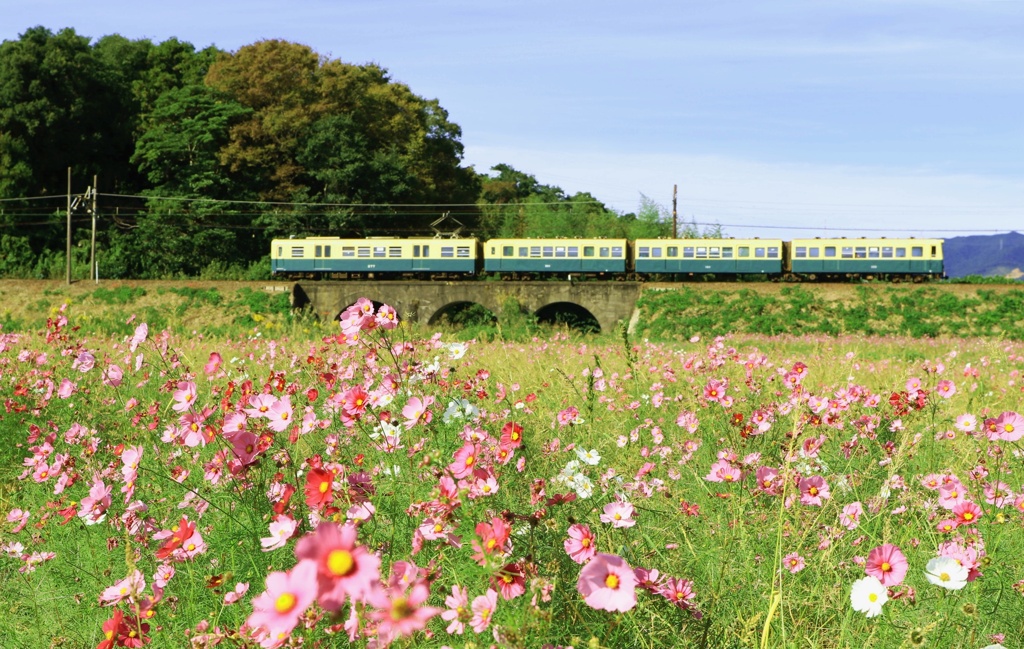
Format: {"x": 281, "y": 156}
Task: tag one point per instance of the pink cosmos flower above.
{"x": 93, "y": 508}
{"x": 213, "y": 364}
{"x": 139, "y": 337}
{"x": 399, "y": 613}
{"x": 510, "y": 581}
{"x": 465, "y": 460}
{"x": 723, "y": 471}
{"x": 281, "y": 529}
{"x": 998, "y": 494}
{"x": 967, "y": 513}
{"x": 386, "y": 317}
{"x": 678, "y": 591}
{"x": 112, "y": 376}
{"x": 184, "y": 396}
{"x": 952, "y": 494}
{"x": 287, "y": 597}
{"x": 966, "y": 423}
{"x": 417, "y": 411}
{"x": 483, "y": 610}
{"x": 850, "y": 518}
{"x": 1008, "y": 426}
{"x": 618, "y": 514}
{"x": 343, "y": 568}
{"x": 768, "y": 480}
{"x": 813, "y": 490}
{"x": 259, "y": 405}
{"x": 130, "y": 588}
{"x": 458, "y": 612}
{"x": 945, "y": 389}
{"x": 84, "y": 362}
{"x": 241, "y": 588}
{"x": 493, "y": 538}
{"x": 793, "y": 562}
{"x": 66, "y": 389}
{"x": 607, "y": 583}
{"x": 887, "y": 564}
{"x": 580, "y": 545}
{"x": 280, "y": 414}
{"x": 19, "y": 518}
{"x": 568, "y": 416}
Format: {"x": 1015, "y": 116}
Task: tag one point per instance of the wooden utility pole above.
{"x": 675, "y": 229}
{"x": 92, "y": 256}
{"x": 69, "y": 227}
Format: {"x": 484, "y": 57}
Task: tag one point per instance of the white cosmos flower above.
{"x": 868, "y": 596}
{"x": 946, "y": 572}
{"x": 591, "y": 457}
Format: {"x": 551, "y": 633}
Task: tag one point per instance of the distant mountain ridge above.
{"x": 996, "y": 255}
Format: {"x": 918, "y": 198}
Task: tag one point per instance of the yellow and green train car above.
{"x": 829, "y": 257}
{"x": 380, "y": 256}
{"x": 528, "y": 256}
{"x": 708, "y": 256}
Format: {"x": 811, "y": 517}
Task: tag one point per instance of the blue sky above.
{"x": 786, "y": 118}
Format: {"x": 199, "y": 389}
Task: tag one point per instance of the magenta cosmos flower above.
{"x": 343, "y": 568}
{"x": 887, "y": 564}
{"x": 399, "y": 613}
{"x": 288, "y": 595}
{"x": 618, "y": 514}
{"x": 607, "y": 583}
{"x": 813, "y": 490}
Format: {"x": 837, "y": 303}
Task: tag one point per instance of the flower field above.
{"x": 373, "y": 485}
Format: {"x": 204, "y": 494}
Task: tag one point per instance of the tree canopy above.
{"x": 202, "y": 156}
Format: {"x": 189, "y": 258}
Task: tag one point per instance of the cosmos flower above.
{"x": 607, "y": 583}
{"x": 868, "y": 595}
{"x": 946, "y": 572}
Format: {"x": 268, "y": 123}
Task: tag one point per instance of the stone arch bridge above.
{"x": 428, "y": 302}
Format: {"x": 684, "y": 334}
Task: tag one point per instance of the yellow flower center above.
{"x": 813, "y": 491}
{"x": 944, "y": 576}
{"x": 873, "y": 597}
{"x": 284, "y": 602}
{"x": 400, "y": 609}
{"x": 585, "y": 543}
{"x": 886, "y": 567}
{"x": 968, "y": 516}
{"x": 1008, "y": 428}
{"x": 324, "y": 486}
{"x": 340, "y": 563}
{"x": 611, "y": 581}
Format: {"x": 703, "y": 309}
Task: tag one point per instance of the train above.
{"x": 664, "y": 259}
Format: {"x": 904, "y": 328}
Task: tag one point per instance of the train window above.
{"x": 813, "y": 252}
{"x": 327, "y": 251}
{"x": 702, "y": 252}
{"x": 318, "y": 251}
{"x": 688, "y": 252}
{"x": 363, "y": 251}
{"x": 560, "y": 251}
{"x": 298, "y": 252}
{"x": 426, "y": 251}
{"x": 617, "y": 252}
{"x": 415, "y": 251}
{"x": 799, "y": 252}
{"x": 506, "y": 251}
{"x": 830, "y": 251}
{"x": 656, "y": 252}
{"x": 524, "y": 251}
{"x": 643, "y": 252}
{"x": 773, "y": 252}
{"x": 549, "y": 251}
{"x": 744, "y": 251}
{"x": 394, "y": 251}
{"x": 350, "y": 251}
{"x": 588, "y": 251}
{"x": 574, "y": 251}
{"x": 380, "y": 251}
{"x": 726, "y": 253}
{"x": 280, "y": 251}
{"x": 447, "y": 251}
{"x": 847, "y": 252}
{"x": 759, "y": 252}
{"x": 901, "y": 252}
{"x": 462, "y": 251}
{"x": 714, "y": 253}
{"x": 673, "y": 251}
{"x": 860, "y": 252}
{"x": 917, "y": 251}
{"x": 886, "y": 252}
{"x": 873, "y": 252}
{"x": 933, "y": 251}
{"x": 604, "y": 251}
{"x": 535, "y": 251}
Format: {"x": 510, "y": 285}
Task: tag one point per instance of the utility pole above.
{"x": 69, "y": 227}
{"x": 675, "y": 229}
{"x": 92, "y": 256}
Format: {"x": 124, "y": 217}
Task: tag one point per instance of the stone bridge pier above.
{"x": 427, "y": 302}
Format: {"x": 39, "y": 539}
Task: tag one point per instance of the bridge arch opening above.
{"x": 569, "y": 314}
{"x": 463, "y": 314}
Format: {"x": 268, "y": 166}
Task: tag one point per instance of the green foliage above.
{"x": 118, "y": 294}
{"x": 923, "y": 312}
